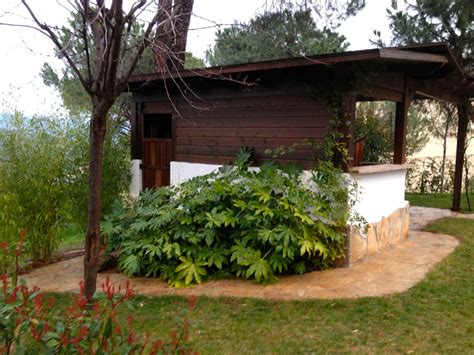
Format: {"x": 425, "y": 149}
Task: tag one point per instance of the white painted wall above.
{"x": 380, "y": 194}
{"x": 136, "y": 181}
{"x": 181, "y": 171}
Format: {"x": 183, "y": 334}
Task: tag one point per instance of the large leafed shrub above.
{"x": 238, "y": 221}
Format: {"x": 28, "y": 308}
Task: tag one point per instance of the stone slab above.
{"x": 393, "y": 270}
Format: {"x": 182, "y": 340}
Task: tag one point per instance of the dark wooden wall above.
{"x": 230, "y": 117}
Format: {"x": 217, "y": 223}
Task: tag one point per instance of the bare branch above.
{"x": 85, "y": 10}
{"x": 24, "y": 26}
{"x": 63, "y": 51}
{"x": 141, "y": 47}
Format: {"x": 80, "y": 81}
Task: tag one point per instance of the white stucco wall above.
{"x": 136, "y": 181}
{"x": 380, "y": 194}
{"x": 181, "y": 171}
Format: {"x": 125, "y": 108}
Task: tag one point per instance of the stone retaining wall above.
{"x": 389, "y": 231}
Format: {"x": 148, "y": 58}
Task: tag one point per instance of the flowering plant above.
{"x": 31, "y": 322}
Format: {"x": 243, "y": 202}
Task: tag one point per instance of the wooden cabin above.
{"x": 188, "y": 123}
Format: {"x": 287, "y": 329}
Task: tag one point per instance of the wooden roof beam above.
{"x": 403, "y": 55}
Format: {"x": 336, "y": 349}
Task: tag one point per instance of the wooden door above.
{"x": 157, "y": 150}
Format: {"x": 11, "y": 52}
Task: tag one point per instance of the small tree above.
{"x": 442, "y": 125}
{"x": 111, "y": 52}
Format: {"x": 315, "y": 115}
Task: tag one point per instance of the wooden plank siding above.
{"x": 216, "y": 134}
{"x": 157, "y": 154}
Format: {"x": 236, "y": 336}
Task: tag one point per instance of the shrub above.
{"x": 32, "y": 158}
{"x": 9, "y": 212}
{"x": 44, "y": 174}
{"x": 255, "y": 224}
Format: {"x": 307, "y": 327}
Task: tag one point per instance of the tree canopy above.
{"x": 424, "y": 21}
{"x": 272, "y": 35}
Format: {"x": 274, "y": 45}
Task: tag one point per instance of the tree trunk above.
{"x": 182, "y": 18}
{"x": 163, "y": 39}
{"x": 92, "y": 242}
{"x": 171, "y": 37}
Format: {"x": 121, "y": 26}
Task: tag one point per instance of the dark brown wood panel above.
{"x": 216, "y": 101}
{"x": 303, "y": 154}
{"x": 157, "y": 155}
{"x": 257, "y": 117}
{"x": 268, "y": 112}
{"x": 242, "y": 141}
{"x": 262, "y": 132}
{"x": 258, "y": 122}
{"x": 214, "y": 159}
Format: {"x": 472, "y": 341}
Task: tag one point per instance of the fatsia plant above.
{"x": 252, "y": 224}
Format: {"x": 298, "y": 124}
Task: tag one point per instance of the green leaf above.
{"x": 190, "y": 271}
{"x": 260, "y": 270}
{"x": 130, "y": 264}
{"x": 306, "y": 247}
{"x": 108, "y": 328}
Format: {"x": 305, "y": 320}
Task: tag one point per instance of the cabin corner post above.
{"x": 401, "y": 127}
{"x": 136, "y": 179}
{"x": 346, "y": 128}
{"x": 463, "y": 122}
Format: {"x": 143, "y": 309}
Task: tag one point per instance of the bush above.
{"x": 29, "y": 324}
{"x": 44, "y": 174}
{"x": 9, "y": 212}
{"x": 255, "y": 224}
{"x": 32, "y": 160}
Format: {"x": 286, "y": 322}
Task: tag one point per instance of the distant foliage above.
{"x": 375, "y": 121}
{"x": 273, "y": 35}
{"x": 426, "y": 176}
{"x": 43, "y": 178}
{"x": 233, "y": 222}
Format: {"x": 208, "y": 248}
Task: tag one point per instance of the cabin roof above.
{"x": 437, "y": 54}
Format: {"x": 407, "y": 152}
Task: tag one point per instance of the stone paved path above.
{"x": 421, "y": 216}
{"x": 393, "y": 270}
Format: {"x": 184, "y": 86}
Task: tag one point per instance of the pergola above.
{"x": 429, "y": 72}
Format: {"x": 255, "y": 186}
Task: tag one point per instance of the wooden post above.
{"x": 347, "y": 129}
{"x": 401, "y": 127}
{"x": 463, "y": 121}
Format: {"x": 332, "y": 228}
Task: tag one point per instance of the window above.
{"x": 157, "y": 125}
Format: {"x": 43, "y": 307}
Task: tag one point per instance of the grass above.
{"x": 435, "y": 316}
{"x": 72, "y": 238}
{"x": 438, "y": 200}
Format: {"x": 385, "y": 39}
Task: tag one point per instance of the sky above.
{"x": 24, "y": 50}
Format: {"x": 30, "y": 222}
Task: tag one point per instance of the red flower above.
{"x": 4, "y": 246}
{"x": 38, "y": 301}
{"x": 4, "y": 286}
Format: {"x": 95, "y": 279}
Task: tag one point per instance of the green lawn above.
{"x": 438, "y": 200}
{"x": 72, "y": 238}
{"x": 433, "y": 317}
